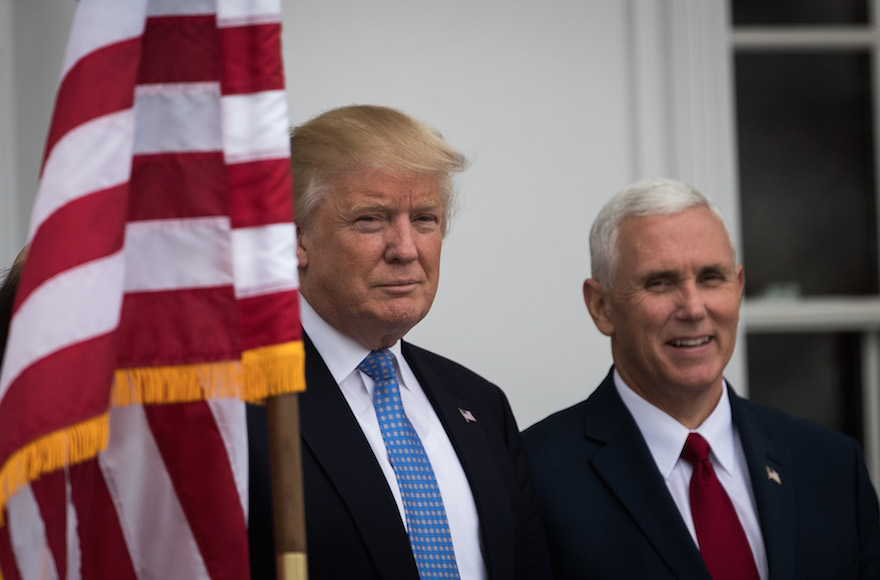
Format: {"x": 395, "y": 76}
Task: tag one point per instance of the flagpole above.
{"x": 285, "y": 460}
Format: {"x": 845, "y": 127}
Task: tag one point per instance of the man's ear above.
{"x": 597, "y": 303}
{"x": 302, "y": 254}
{"x": 741, "y": 280}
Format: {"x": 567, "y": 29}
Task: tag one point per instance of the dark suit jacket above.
{"x": 608, "y": 514}
{"x": 354, "y": 530}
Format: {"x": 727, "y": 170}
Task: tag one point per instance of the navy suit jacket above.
{"x": 608, "y": 514}
{"x": 353, "y": 527}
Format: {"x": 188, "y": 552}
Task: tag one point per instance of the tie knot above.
{"x": 378, "y": 365}
{"x": 696, "y": 449}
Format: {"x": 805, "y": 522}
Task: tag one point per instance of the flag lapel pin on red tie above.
{"x": 773, "y": 475}
{"x": 468, "y": 416}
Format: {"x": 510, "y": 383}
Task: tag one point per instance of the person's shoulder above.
{"x": 455, "y": 376}
{"x": 556, "y": 426}
{"x": 797, "y": 431}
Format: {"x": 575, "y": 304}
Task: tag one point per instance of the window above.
{"x": 806, "y": 86}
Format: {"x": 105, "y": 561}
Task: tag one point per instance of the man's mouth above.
{"x": 690, "y": 342}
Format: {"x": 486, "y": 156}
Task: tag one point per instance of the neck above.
{"x": 689, "y": 407}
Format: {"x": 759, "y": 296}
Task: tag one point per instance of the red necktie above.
{"x": 722, "y": 540}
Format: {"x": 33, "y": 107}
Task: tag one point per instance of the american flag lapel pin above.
{"x": 468, "y": 416}
{"x": 773, "y": 475}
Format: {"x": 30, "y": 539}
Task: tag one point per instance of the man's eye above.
{"x": 426, "y": 221}
{"x": 712, "y": 278}
{"x": 658, "y": 285}
{"x": 367, "y": 223}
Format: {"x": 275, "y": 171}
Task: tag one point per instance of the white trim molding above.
{"x": 682, "y": 107}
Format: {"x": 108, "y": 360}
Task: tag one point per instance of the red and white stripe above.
{"x": 161, "y": 235}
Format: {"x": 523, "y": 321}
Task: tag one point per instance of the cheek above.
{"x": 429, "y": 255}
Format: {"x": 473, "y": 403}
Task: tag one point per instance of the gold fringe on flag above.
{"x": 273, "y": 370}
{"x": 176, "y": 384}
{"x": 52, "y": 452}
{"x": 262, "y": 372}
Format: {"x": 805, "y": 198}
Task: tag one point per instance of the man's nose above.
{"x": 401, "y": 241}
{"x": 691, "y": 304}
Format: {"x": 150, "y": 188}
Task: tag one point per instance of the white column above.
{"x": 682, "y": 107}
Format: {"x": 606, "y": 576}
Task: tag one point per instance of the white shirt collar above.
{"x": 342, "y": 354}
{"x": 665, "y": 436}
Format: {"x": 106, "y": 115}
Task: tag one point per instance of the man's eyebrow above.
{"x": 717, "y": 268}
{"x": 427, "y": 206}
{"x": 659, "y": 274}
{"x": 373, "y": 205}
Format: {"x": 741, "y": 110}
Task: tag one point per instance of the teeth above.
{"x": 690, "y": 341}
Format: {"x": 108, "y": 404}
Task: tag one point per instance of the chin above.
{"x": 698, "y": 381}
{"x": 399, "y": 322}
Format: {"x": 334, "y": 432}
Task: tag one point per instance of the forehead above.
{"x": 695, "y": 237}
{"x": 374, "y": 186}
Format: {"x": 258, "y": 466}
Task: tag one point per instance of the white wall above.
{"x": 36, "y": 32}
{"x": 9, "y": 201}
{"x": 536, "y": 94}
{"x": 540, "y": 95}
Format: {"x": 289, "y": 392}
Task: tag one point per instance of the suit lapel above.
{"x": 333, "y": 435}
{"x": 477, "y": 460}
{"x": 625, "y": 463}
{"x": 773, "y": 484}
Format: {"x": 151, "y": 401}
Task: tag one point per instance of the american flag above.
{"x": 159, "y": 293}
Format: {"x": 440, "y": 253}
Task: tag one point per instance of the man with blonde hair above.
{"x": 664, "y": 472}
{"x": 413, "y": 465}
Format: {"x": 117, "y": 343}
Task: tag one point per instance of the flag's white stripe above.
{"x": 153, "y": 523}
{"x": 81, "y": 303}
{"x": 94, "y": 156}
{"x": 180, "y": 7}
{"x": 255, "y": 126}
{"x": 238, "y": 10}
{"x": 265, "y": 259}
{"x": 231, "y": 421}
{"x": 28, "y": 537}
{"x": 177, "y": 254}
{"x": 98, "y": 23}
{"x": 249, "y": 20}
{"x": 177, "y": 117}
{"x": 74, "y": 554}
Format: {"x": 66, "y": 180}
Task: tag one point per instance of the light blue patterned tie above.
{"x": 426, "y": 521}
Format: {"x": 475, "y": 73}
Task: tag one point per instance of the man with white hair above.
{"x": 664, "y": 472}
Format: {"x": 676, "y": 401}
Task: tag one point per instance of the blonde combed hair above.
{"x": 366, "y": 137}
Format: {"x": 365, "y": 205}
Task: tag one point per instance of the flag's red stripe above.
{"x": 179, "y": 327}
{"x": 196, "y": 459}
{"x": 103, "y": 551}
{"x": 76, "y": 380}
{"x": 85, "y": 229}
{"x": 180, "y": 49}
{"x": 251, "y": 59}
{"x": 178, "y": 185}
{"x": 8, "y": 564}
{"x": 270, "y": 319}
{"x": 260, "y": 193}
{"x": 51, "y": 496}
{"x": 101, "y": 82}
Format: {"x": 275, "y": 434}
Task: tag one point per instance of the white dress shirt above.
{"x": 342, "y": 355}
{"x": 666, "y": 437}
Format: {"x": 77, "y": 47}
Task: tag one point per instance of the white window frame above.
{"x": 829, "y": 314}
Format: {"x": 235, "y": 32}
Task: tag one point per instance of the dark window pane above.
{"x": 806, "y": 165}
{"x": 816, "y": 376}
{"x": 771, "y": 12}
